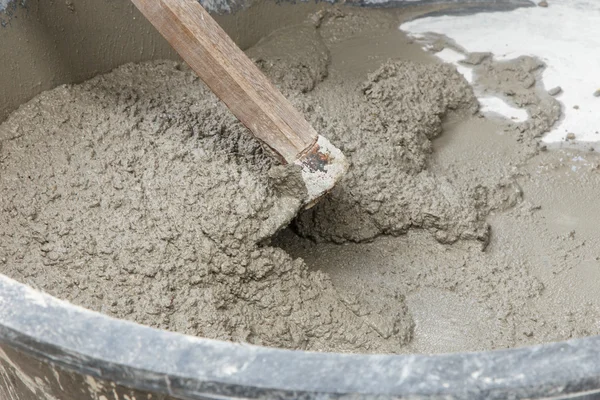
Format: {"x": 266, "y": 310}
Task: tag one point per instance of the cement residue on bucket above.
{"x": 139, "y": 195}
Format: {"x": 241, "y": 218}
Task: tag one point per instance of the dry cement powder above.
{"x": 137, "y": 194}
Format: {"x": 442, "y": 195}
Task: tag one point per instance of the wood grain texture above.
{"x": 231, "y": 75}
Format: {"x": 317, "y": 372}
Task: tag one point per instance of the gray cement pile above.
{"x": 137, "y": 194}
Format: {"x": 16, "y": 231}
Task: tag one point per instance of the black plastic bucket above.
{"x": 50, "y": 349}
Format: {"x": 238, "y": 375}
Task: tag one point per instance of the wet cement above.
{"x": 137, "y": 194}
{"x": 517, "y": 81}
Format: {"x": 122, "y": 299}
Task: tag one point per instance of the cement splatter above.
{"x": 567, "y": 49}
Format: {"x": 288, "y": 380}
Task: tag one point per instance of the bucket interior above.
{"x": 462, "y": 235}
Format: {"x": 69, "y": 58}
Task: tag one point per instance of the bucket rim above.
{"x": 145, "y": 358}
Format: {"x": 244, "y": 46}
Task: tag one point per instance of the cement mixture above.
{"x": 137, "y": 194}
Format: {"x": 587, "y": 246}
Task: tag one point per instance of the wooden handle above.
{"x": 231, "y": 75}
